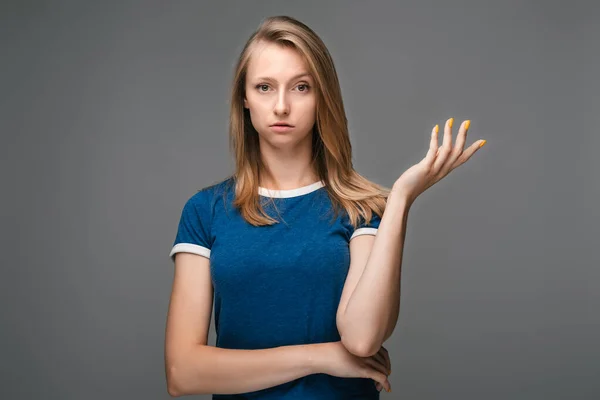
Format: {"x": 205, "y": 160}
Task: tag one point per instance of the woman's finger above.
{"x": 461, "y": 136}
{"x": 380, "y": 377}
{"x": 377, "y": 365}
{"x": 445, "y": 148}
{"x": 433, "y": 148}
{"x": 378, "y": 386}
{"x": 381, "y": 360}
{"x": 468, "y": 153}
{"x": 386, "y": 355}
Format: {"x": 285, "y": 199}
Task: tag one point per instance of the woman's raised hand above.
{"x": 438, "y": 162}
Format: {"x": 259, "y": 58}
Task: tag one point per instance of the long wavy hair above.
{"x": 331, "y": 148}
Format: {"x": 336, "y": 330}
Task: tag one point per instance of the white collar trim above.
{"x": 290, "y": 192}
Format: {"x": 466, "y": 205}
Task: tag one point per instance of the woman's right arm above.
{"x": 193, "y": 367}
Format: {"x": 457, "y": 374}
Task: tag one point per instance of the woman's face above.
{"x": 279, "y": 88}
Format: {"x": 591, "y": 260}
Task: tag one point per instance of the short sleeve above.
{"x": 194, "y": 232}
{"x": 367, "y": 229}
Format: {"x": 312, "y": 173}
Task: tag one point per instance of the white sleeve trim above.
{"x": 190, "y": 248}
{"x": 364, "y": 231}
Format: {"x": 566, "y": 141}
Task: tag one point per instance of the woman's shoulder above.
{"x": 216, "y": 187}
{"x": 208, "y": 195}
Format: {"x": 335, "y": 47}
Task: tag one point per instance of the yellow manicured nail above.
{"x": 450, "y": 121}
{"x": 437, "y": 129}
{"x": 482, "y": 143}
{"x": 467, "y": 124}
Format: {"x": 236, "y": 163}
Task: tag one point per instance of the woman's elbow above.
{"x": 173, "y": 387}
{"x": 181, "y": 381}
{"x": 358, "y": 348}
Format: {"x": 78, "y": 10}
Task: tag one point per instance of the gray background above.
{"x": 115, "y": 113}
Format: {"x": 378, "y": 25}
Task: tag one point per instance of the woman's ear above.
{"x": 245, "y": 103}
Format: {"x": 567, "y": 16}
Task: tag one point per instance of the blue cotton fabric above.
{"x": 276, "y": 285}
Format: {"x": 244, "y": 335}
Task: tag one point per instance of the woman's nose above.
{"x": 282, "y": 106}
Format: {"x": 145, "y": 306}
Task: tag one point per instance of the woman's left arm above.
{"x": 370, "y": 315}
{"x": 367, "y": 317}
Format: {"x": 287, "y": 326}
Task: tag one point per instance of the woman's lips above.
{"x": 281, "y": 128}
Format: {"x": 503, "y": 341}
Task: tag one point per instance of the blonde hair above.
{"x": 332, "y": 151}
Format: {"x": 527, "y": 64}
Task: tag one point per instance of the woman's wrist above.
{"x": 316, "y": 357}
{"x": 399, "y": 196}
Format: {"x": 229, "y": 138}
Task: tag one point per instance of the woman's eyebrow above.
{"x": 267, "y": 78}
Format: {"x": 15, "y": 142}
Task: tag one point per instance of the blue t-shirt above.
{"x": 276, "y": 285}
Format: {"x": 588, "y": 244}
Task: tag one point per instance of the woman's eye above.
{"x": 305, "y": 87}
{"x": 262, "y": 86}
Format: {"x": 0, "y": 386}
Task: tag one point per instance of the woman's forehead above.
{"x": 270, "y": 60}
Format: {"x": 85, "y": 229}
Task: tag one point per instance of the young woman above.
{"x": 300, "y": 253}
